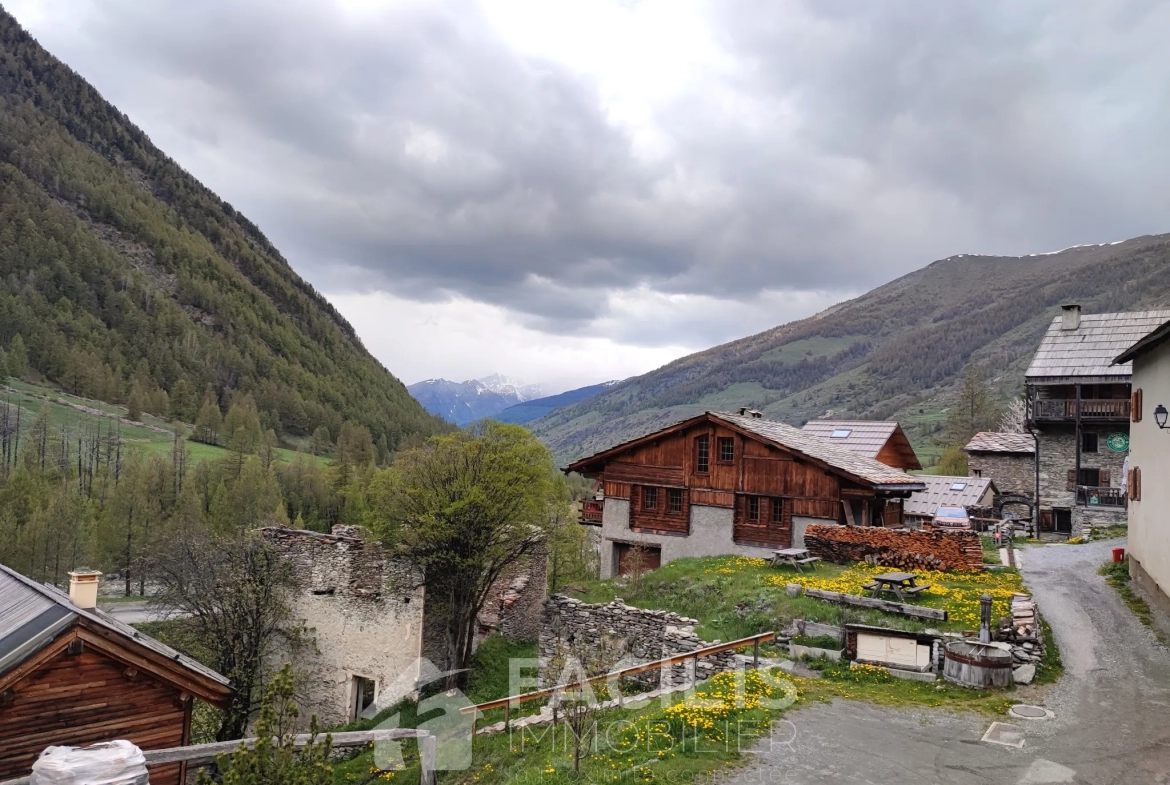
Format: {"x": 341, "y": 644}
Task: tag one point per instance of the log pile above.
{"x": 907, "y": 550}
{"x": 1022, "y": 631}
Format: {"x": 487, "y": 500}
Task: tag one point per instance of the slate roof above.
{"x": 1089, "y": 350}
{"x": 1150, "y": 341}
{"x": 33, "y": 615}
{"x": 866, "y": 437}
{"x": 994, "y": 441}
{"x": 939, "y": 493}
{"x": 836, "y": 455}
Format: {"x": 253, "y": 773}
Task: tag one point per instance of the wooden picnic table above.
{"x": 897, "y": 583}
{"x": 796, "y": 557}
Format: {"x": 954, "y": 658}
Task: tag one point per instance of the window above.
{"x": 958, "y": 486}
{"x": 1090, "y": 478}
{"x": 753, "y": 508}
{"x": 364, "y": 693}
{"x": 702, "y": 454}
{"x": 777, "y": 511}
{"x": 726, "y": 449}
{"x": 841, "y": 433}
{"x": 673, "y": 500}
{"x": 650, "y": 498}
{"x": 1088, "y": 442}
{"x": 976, "y": 472}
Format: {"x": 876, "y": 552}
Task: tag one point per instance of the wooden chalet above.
{"x": 71, "y": 675}
{"x": 723, "y": 483}
{"x": 884, "y": 441}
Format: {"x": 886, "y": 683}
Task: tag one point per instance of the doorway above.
{"x": 1063, "y": 519}
{"x": 365, "y": 691}
{"x": 636, "y": 558}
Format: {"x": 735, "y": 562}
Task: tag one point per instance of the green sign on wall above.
{"x": 1118, "y": 442}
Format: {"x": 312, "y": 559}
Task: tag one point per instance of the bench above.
{"x": 811, "y": 560}
{"x": 912, "y": 590}
{"x": 871, "y": 585}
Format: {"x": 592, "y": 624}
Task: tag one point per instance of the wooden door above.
{"x": 628, "y": 555}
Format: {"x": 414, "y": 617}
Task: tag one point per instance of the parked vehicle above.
{"x": 952, "y": 518}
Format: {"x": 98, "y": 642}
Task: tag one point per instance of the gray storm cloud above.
{"x": 845, "y": 144}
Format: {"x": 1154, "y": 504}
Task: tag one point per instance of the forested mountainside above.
{"x": 121, "y": 273}
{"x": 896, "y": 352}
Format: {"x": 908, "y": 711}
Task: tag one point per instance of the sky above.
{"x": 571, "y": 191}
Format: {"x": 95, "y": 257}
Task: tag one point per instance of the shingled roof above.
{"x": 994, "y": 441}
{"x": 866, "y": 437}
{"x": 946, "y": 491}
{"x": 1088, "y": 351}
{"x": 783, "y": 435}
{"x": 835, "y": 455}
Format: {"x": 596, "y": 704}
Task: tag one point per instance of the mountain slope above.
{"x": 895, "y": 352}
{"x": 531, "y": 410}
{"x": 120, "y": 271}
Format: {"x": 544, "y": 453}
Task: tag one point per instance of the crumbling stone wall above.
{"x": 512, "y": 609}
{"x": 904, "y": 549}
{"x": 644, "y": 635}
{"x": 363, "y": 612}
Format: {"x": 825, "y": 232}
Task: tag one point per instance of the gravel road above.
{"x": 1112, "y": 707}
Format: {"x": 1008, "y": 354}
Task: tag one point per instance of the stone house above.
{"x": 732, "y": 484}
{"x": 1149, "y": 527}
{"x": 1079, "y": 408}
{"x": 1008, "y": 460}
{"x": 369, "y": 623}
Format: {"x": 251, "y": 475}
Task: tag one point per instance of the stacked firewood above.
{"x": 1022, "y": 630}
{"x": 906, "y": 550}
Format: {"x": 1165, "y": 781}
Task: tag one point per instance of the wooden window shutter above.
{"x": 1135, "y": 406}
{"x": 1129, "y": 489}
{"x": 1103, "y": 478}
{"x": 1137, "y": 483}
{"x": 1072, "y": 480}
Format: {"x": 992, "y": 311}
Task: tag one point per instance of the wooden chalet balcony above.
{"x": 1091, "y": 409}
{"x": 591, "y": 510}
{"x": 1092, "y": 496}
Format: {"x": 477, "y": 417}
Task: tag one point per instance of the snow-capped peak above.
{"x": 498, "y": 383}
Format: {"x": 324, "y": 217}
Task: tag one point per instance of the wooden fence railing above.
{"x": 204, "y": 754}
{"x": 666, "y": 662}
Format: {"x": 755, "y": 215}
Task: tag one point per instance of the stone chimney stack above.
{"x": 1070, "y": 316}
{"x": 83, "y": 588}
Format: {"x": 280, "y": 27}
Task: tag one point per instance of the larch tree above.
{"x": 974, "y": 409}
{"x": 462, "y": 509}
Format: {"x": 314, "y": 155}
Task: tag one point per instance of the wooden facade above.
{"x": 709, "y": 462}
{"x": 91, "y": 684}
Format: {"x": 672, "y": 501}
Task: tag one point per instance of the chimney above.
{"x": 83, "y": 588}
{"x": 1070, "y": 316}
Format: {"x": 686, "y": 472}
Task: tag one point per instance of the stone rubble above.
{"x": 1022, "y": 631}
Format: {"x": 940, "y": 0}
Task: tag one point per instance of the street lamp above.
{"x": 1160, "y": 414}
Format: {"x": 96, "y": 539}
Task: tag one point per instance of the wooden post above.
{"x": 507, "y": 715}
{"x": 756, "y": 652}
{"x": 428, "y": 747}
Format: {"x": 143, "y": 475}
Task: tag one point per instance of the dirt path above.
{"x": 1112, "y": 707}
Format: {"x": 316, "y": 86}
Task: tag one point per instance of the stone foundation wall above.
{"x": 1087, "y": 518}
{"x": 1012, "y": 474}
{"x": 910, "y": 550}
{"x": 643, "y": 635}
{"x": 516, "y": 600}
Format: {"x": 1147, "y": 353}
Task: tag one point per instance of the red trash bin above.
{"x": 1118, "y": 555}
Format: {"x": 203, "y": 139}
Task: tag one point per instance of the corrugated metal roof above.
{"x": 836, "y": 455}
{"x": 944, "y": 491}
{"x": 1089, "y": 350}
{"x": 864, "y": 437}
{"x": 995, "y": 441}
{"x": 33, "y": 614}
